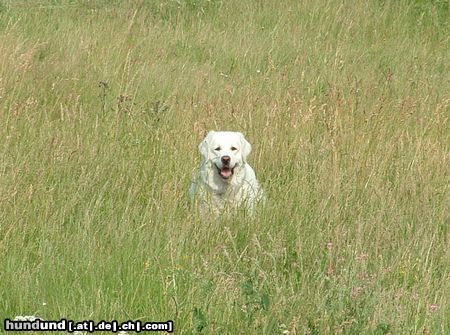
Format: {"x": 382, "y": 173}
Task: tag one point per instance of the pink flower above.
{"x": 433, "y": 307}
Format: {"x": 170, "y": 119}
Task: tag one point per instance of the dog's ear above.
{"x": 204, "y": 145}
{"x": 246, "y": 147}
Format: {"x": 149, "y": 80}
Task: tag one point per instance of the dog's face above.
{"x": 227, "y": 151}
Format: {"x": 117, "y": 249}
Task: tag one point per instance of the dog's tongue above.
{"x": 225, "y": 172}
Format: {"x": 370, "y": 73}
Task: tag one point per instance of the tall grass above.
{"x": 102, "y": 105}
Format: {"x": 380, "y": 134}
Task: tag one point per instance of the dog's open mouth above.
{"x": 225, "y": 172}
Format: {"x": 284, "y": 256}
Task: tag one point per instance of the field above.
{"x": 346, "y": 104}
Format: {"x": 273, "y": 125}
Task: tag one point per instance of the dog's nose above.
{"x": 226, "y": 160}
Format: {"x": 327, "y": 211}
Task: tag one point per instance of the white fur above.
{"x": 214, "y": 192}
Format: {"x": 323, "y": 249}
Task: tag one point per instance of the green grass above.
{"x": 102, "y": 105}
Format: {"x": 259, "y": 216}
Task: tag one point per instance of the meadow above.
{"x": 346, "y": 104}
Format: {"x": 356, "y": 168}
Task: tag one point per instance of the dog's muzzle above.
{"x": 226, "y": 171}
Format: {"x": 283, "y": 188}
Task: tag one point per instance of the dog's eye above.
{"x": 217, "y": 149}
{"x": 233, "y": 148}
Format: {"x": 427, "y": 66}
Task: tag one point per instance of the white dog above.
{"x": 225, "y": 180}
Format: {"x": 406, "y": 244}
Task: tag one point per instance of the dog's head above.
{"x": 226, "y": 151}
